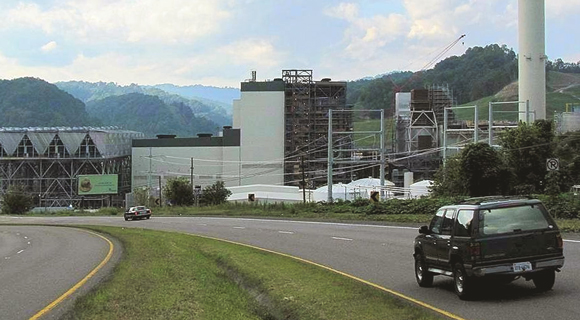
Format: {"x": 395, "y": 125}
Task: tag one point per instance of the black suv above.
{"x": 489, "y": 237}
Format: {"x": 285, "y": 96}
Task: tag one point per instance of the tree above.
{"x": 448, "y": 180}
{"x": 215, "y": 194}
{"x": 16, "y": 201}
{"x": 179, "y": 192}
{"x": 478, "y": 170}
{"x": 483, "y": 170}
{"x": 525, "y": 150}
{"x": 142, "y": 197}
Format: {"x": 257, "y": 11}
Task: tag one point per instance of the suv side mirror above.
{"x": 424, "y": 230}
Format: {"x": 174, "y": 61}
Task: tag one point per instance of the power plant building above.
{"x": 277, "y": 125}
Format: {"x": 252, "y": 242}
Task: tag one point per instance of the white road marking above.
{"x": 339, "y": 238}
{"x": 315, "y": 222}
{"x": 239, "y": 227}
{"x": 202, "y": 224}
{"x": 574, "y": 241}
{"x": 25, "y": 237}
{"x": 19, "y": 252}
{"x": 28, "y": 242}
{"x": 6, "y": 258}
{"x": 286, "y": 232}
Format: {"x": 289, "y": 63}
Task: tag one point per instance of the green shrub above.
{"x": 562, "y": 206}
{"x": 16, "y": 201}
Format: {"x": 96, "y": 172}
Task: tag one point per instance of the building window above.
{"x": 25, "y": 149}
{"x": 88, "y": 149}
{"x": 56, "y": 149}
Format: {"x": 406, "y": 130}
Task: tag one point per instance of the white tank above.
{"x": 532, "y": 57}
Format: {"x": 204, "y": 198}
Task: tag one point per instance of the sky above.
{"x": 219, "y": 42}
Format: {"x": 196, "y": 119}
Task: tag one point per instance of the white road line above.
{"x": 202, "y": 224}
{"x": 574, "y": 241}
{"x": 239, "y": 227}
{"x": 313, "y": 222}
{"x": 339, "y": 238}
{"x": 25, "y": 237}
{"x": 286, "y": 232}
{"x": 19, "y": 252}
{"x": 28, "y": 242}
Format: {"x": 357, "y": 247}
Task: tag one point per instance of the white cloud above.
{"x": 365, "y": 36}
{"x": 49, "y": 46}
{"x": 256, "y": 52}
{"x": 562, "y": 8}
{"x": 169, "y": 21}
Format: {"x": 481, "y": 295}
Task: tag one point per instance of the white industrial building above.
{"x": 249, "y": 156}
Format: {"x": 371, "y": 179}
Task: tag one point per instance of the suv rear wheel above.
{"x": 424, "y": 277}
{"x": 462, "y": 283}
{"x": 544, "y": 280}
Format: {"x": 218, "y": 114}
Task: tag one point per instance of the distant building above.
{"x": 203, "y": 159}
{"x": 47, "y": 162}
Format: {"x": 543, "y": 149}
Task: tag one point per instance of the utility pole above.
{"x": 303, "y": 180}
{"x": 149, "y": 182}
{"x": 160, "y": 193}
{"x": 330, "y": 160}
{"x": 191, "y": 176}
{"x": 382, "y": 141}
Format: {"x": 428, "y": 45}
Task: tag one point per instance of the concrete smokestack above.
{"x": 532, "y": 57}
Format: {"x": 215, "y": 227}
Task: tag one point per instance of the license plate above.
{"x": 522, "y": 266}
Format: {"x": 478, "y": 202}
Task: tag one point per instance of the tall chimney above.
{"x": 532, "y": 57}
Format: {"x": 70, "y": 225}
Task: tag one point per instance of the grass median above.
{"x": 167, "y": 275}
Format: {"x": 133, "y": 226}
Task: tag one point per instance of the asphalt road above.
{"x": 379, "y": 254}
{"x": 39, "y": 264}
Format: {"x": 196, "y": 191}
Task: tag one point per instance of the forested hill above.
{"x": 88, "y": 92}
{"x": 480, "y": 72}
{"x": 31, "y": 102}
{"x": 150, "y": 115}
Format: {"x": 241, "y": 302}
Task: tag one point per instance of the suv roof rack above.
{"x": 480, "y": 200}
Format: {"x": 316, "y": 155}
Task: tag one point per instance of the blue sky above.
{"x": 219, "y": 42}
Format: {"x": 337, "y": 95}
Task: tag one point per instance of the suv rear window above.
{"x": 512, "y": 219}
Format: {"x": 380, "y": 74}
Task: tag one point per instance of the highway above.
{"x": 40, "y": 264}
{"x": 376, "y": 253}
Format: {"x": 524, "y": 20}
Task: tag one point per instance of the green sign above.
{"x": 98, "y": 184}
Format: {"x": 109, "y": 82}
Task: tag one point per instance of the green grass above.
{"x": 372, "y": 140}
{"x": 167, "y": 275}
{"x": 308, "y": 211}
{"x": 555, "y": 102}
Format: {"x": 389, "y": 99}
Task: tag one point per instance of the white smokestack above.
{"x": 532, "y": 57}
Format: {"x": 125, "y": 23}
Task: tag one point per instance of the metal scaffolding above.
{"x": 307, "y": 103}
{"x": 46, "y": 163}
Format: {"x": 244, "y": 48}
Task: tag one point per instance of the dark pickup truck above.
{"x": 489, "y": 238}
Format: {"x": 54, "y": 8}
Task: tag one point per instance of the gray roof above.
{"x": 110, "y": 141}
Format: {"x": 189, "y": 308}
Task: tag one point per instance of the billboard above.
{"x": 98, "y": 184}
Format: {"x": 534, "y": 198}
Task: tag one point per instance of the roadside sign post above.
{"x": 552, "y": 164}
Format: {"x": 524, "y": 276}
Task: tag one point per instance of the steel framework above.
{"x": 46, "y": 163}
{"x": 306, "y": 125}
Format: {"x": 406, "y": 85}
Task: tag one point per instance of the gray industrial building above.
{"x": 46, "y": 163}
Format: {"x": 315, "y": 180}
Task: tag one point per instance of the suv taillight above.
{"x": 474, "y": 250}
{"x": 560, "y": 241}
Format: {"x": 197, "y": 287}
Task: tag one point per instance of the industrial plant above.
{"x": 286, "y": 132}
